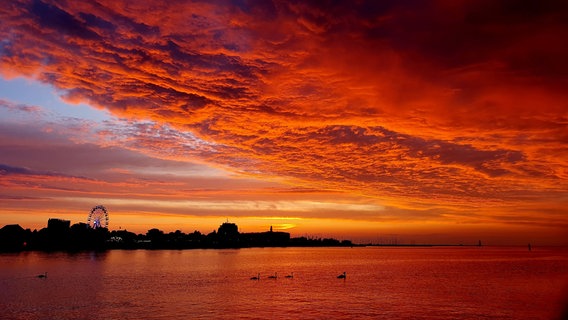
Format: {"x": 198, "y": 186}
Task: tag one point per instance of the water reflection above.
{"x": 379, "y": 283}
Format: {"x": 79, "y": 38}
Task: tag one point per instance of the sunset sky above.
{"x": 420, "y": 121}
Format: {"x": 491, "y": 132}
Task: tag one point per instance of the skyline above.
{"x": 438, "y": 122}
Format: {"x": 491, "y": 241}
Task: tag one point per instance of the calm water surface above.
{"x": 382, "y": 283}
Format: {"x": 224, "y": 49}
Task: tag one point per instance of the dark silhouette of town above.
{"x": 60, "y": 235}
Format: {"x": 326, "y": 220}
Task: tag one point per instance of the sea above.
{"x": 380, "y": 283}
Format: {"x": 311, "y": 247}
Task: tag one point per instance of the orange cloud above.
{"x": 459, "y": 106}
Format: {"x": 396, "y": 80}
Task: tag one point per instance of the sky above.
{"x": 380, "y": 121}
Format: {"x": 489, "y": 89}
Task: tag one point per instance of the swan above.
{"x": 256, "y": 278}
{"x": 290, "y": 276}
{"x": 42, "y": 275}
{"x": 342, "y": 276}
{"x": 275, "y": 276}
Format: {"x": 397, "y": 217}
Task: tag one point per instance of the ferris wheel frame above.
{"x": 98, "y": 222}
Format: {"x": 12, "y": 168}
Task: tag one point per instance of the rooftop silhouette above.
{"x": 60, "y": 235}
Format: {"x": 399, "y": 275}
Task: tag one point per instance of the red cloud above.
{"x": 445, "y": 103}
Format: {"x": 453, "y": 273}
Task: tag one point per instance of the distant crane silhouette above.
{"x": 342, "y": 276}
{"x": 42, "y": 276}
{"x": 275, "y": 276}
{"x": 290, "y": 276}
{"x": 256, "y": 278}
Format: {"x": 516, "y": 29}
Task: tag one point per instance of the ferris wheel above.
{"x": 98, "y": 217}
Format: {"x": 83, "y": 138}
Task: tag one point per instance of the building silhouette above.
{"x": 59, "y": 235}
